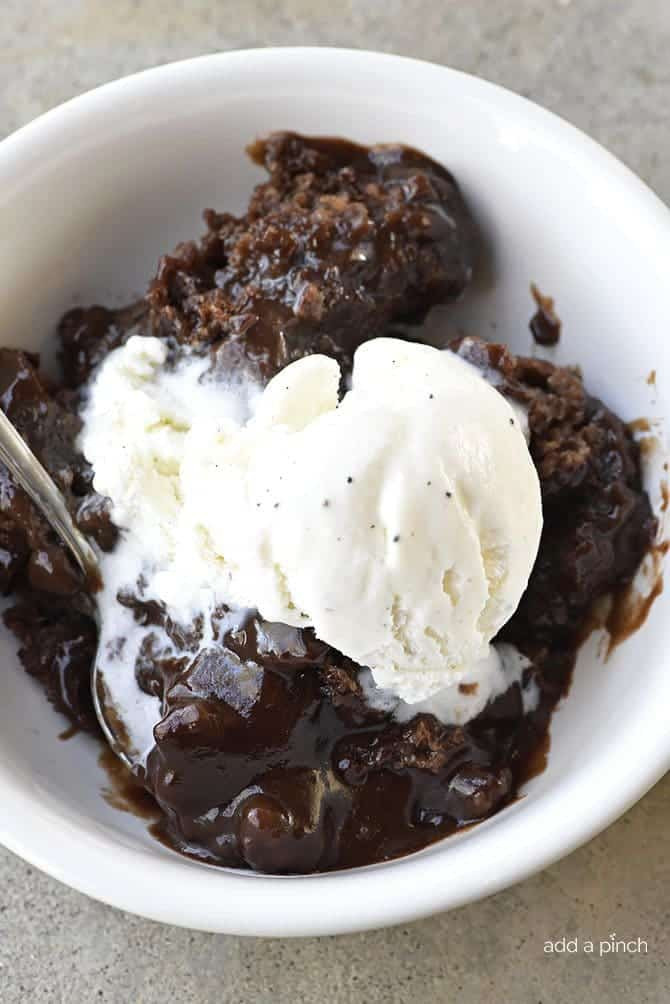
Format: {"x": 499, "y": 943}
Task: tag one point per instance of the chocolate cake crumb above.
{"x": 545, "y": 324}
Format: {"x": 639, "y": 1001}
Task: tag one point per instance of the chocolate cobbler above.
{"x": 339, "y": 244}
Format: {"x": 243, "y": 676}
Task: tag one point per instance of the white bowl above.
{"x": 92, "y": 192}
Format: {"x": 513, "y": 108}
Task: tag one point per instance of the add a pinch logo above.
{"x": 608, "y": 946}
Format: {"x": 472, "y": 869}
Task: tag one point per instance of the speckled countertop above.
{"x": 603, "y": 65}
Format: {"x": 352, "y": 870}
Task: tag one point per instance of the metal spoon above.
{"x": 29, "y": 473}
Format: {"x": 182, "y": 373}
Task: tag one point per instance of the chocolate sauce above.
{"x": 630, "y": 608}
{"x": 124, "y": 791}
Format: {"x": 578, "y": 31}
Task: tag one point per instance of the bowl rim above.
{"x": 87, "y": 857}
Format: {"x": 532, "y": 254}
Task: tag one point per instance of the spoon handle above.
{"x": 32, "y": 477}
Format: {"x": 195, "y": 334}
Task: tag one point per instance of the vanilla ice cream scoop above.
{"x": 400, "y": 523}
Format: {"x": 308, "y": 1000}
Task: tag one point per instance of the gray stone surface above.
{"x": 603, "y": 65}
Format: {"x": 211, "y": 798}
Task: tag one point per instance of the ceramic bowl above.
{"x": 92, "y": 192}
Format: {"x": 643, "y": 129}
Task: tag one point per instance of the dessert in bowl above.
{"x": 295, "y": 728}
